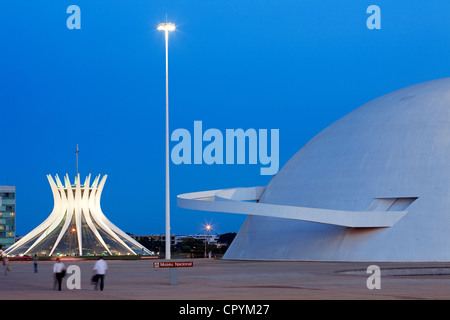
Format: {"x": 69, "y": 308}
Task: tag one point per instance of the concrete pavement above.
{"x": 214, "y": 279}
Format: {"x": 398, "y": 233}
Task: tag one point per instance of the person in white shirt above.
{"x": 100, "y": 268}
{"x": 59, "y": 271}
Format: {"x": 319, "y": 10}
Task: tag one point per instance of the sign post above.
{"x": 173, "y": 276}
{"x": 173, "y": 268}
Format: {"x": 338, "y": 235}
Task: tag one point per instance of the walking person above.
{"x": 59, "y": 271}
{"x": 99, "y": 271}
{"x": 6, "y": 264}
{"x": 35, "y": 259}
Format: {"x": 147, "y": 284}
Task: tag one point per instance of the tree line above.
{"x": 191, "y": 246}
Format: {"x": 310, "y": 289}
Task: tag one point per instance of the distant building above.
{"x": 209, "y": 238}
{"x": 7, "y": 215}
{"x": 155, "y": 237}
{"x": 175, "y": 239}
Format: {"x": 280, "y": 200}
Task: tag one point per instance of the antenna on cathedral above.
{"x": 78, "y": 151}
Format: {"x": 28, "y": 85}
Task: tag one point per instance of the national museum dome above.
{"x": 387, "y": 160}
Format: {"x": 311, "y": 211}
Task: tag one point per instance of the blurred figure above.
{"x": 59, "y": 271}
{"x": 35, "y": 259}
{"x": 6, "y": 264}
{"x": 100, "y": 268}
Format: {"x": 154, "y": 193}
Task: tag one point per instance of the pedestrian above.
{"x": 35, "y": 259}
{"x": 99, "y": 271}
{"x": 59, "y": 271}
{"x": 6, "y": 264}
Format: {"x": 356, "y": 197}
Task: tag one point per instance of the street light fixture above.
{"x": 169, "y": 26}
{"x": 166, "y": 27}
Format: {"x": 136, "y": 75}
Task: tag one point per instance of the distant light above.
{"x": 169, "y": 26}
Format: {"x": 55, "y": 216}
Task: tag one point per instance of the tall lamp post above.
{"x": 167, "y": 26}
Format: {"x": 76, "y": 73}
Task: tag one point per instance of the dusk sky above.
{"x": 294, "y": 65}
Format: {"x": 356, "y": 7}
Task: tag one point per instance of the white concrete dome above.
{"x": 392, "y": 153}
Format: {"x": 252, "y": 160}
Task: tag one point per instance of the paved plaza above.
{"x": 215, "y": 279}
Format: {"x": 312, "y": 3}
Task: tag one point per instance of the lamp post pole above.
{"x": 167, "y": 26}
{"x": 167, "y": 151}
{"x": 208, "y": 229}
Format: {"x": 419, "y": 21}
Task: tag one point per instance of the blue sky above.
{"x": 296, "y": 66}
